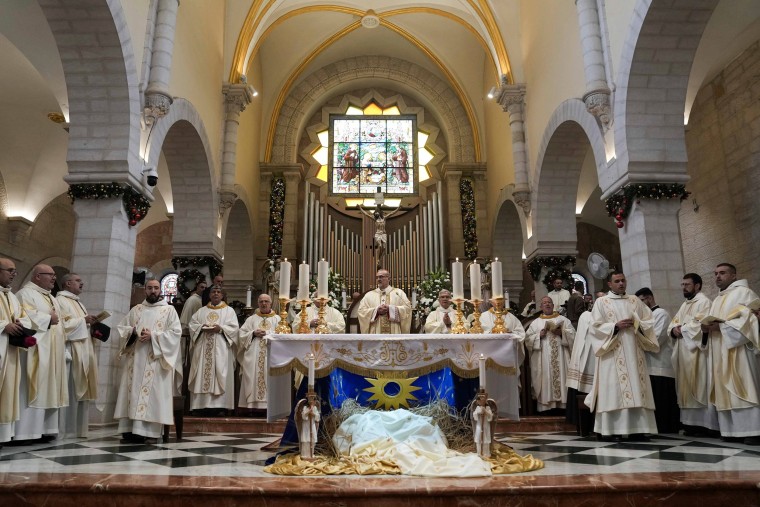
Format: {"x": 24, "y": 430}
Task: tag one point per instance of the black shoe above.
{"x": 609, "y": 438}
{"x": 638, "y": 437}
{"x": 733, "y": 440}
{"x": 44, "y": 439}
{"x": 752, "y": 440}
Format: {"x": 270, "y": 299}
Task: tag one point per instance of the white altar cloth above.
{"x": 414, "y": 354}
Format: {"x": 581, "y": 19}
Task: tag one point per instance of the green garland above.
{"x": 434, "y": 282}
{"x": 558, "y": 272}
{"x": 276, "y": 218}
{"x": 135, "y": 204}
{"x": 552, "y": 261}
{"x": 469, "y": 221}
{"x": 185, "y": 276}
{"x": 619, "y": 205}
{"x": 214, "y": 266}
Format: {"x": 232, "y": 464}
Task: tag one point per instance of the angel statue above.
{"x": 483, "y": 412}
{"x": 381, "y": 237}
{"x": 307, "y": 421}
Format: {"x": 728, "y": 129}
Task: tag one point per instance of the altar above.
{"x": 395, "y": 357}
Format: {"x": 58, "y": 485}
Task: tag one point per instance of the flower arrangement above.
{"x": 135, "y": 204}
{"x": 619, "y": 205}
{"x": 434, "y": 282}
{"x": 276, "y": 218}
{"x": 469, "y": 221}
{"x": 335, "y": 289}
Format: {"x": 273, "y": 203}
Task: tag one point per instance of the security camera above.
{"x": 151, "y": 175}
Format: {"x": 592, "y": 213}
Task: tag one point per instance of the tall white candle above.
{"x": 414, "y": 297}
{"x": 248, "y": 297}
{"x": 285, "y": 279}
{"x": 506, "y": 299}
{"x": 456, "y": 280}
{"x": 311, "y": 370}
{"x": 475, "y": 292}
{"x": 482, "y": 372}
{"x": 323, "y": 267}
{"x": 496, "y": 288}
{"x": 343, "y": 298}
{"x": 303, "y": 282}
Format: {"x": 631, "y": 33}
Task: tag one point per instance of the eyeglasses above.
{"x": 9, "y": 270}
{"x": 48, "y": 274}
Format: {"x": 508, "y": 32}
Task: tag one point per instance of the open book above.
{"x": 710, "y": 319}
{"x": 102, "y": 316}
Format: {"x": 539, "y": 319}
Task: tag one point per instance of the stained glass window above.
{"x": 368, "y": 153}
{"x": 169, "y": 286}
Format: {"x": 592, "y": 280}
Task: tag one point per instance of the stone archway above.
{"x": 508, "y": 245}
{"x": 238, "y": 247}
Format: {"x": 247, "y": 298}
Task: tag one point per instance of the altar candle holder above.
{"x": 475, "y": 327}
{"x": 459, "y": 328}
{"x": 283, "y": 327}
{"x": 303, "y": 324}
{"x": 498, "y": 310}
{"x": 321, "y": 322}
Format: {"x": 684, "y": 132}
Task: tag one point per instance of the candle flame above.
{"x": 457, "y": 259}
{"x": 482, "y": 356}
{"x": 495, "y": 259}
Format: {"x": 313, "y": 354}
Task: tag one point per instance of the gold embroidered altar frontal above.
{"x": 406, "y": 355}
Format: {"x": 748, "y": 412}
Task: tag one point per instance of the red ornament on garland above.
{"x": 619, "y": 218}
{"x": 619, "y": 224}
{"x": 132, "y": 222}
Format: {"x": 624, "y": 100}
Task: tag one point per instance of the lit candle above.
{"x": 311, "y": 370}
{"x": 496, "y": 288}
{"x": 414, "y": 297}
{"x": 456, "y": 280}
{"x": 303, "y": 282}
{"x": 343, "y": 298}
{"x": 323, "y": 267}
{"x": 482, "y": 372}
{"x": 475, "y": 291}
{"x": 285, "y": 279}
{"x": 248, "y": 297}
{"x": 506, "y": 298}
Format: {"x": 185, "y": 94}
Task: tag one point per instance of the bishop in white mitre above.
{"x": 734, "y": 345}
{"x": 83, "y": 368}
{"x": 440, "y": 320}
{"x": 691, "y": 358}
{"x": 336, "y": 323}
{"x": 549, "y": 340}
{"x": 44, "y": 386}
{"x": 12, "y": 318}
{"x": 149, "y": 352}
{"x": 252, "y": 354}
{"x": 213, "y": 335}
{"x": 621, "y": 332}
{"x": 386, "y": 309}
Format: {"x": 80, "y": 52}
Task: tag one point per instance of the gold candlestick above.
{"x": 321, "y": 322}
{"x": 459, "y": 328}
{"x": 303, "y": 325}
{"x": 283, "y": 327}
{"x": 498, "y": 310}
{"x": 476, "y": 328}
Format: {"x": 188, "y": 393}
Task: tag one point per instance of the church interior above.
{"x": 175, "y": 139}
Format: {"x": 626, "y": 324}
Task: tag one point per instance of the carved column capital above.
{"x": 522, "y": 199}
{"x": 18, "y": 227}
{"x": 237, "y": 97}
{"x": 156, "y": 106}
{"x": 511, "y": 97}
{"x": 598, "y": 104}
{"x": 227, "y": 199}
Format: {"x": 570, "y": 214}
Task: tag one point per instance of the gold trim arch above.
{"x": 367, "y": 71}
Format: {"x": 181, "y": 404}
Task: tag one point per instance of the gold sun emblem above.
{"x": 391, "y": 393}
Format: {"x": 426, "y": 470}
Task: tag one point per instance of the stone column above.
{"x": 512, "y": 99}
{"x": 292, "y": 175}
{"x": 103, "y": 254}
{"x": 597, "y": 96}
{"x": 452, "y": 174}
{"x": 157, "y": 96}
{"x": 650, "y": 245}
{"x": 236, "y": 98}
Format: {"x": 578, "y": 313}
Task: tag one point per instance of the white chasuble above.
{"x": 10, "y": 364}
{"x": 145, "y": 399}
{"x": 580, "y": 370}
{"x": 399, "y": 318}
{"x": 621, "y": 393}
{"x": 549, "y": 357}
{"x": 84, "y": 369}
{"x": 434, "y": 323}
{"x": 515, "y": 330}
{"x": 336, "y": 323}
{"x": 212, "y": 380}
{"x": 252, "y": 356}
{"x": 736, "y": 371}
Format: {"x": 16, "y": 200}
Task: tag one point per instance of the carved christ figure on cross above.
{"x": 381, "y": 237}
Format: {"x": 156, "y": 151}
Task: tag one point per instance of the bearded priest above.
{"x": 385, "y": 310}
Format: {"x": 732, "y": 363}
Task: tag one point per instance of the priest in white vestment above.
{"x": 336, "y": 323}
{"x": 252, "y": 354}
{"x": 83, "y": 368}
{"x": 691, "y": 359}
{"x": 580, "y": 369}
{"x": 621, "y": 332}
{"x": 440, "y": 320}
{"x": 386, "y": 309}
{"x": 148, "y": 353}
{"x": 559, "y": 295}
{"x": 12, "y": 319}
{"x": 734, "y": 345}
{"x": 213, "y": 334}
{"x": 44, "y": 386}
{"x": 192, "y": 304}
{"x": 549, "y": 340}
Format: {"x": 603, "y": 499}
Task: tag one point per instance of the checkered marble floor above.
{"x": 241, "y": 455}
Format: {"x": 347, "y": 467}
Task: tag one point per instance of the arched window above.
{"x": 580, "y": 278}
{"x": 169, "y": 286}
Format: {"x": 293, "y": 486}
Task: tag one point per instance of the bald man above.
{"x": 385, "y": 310}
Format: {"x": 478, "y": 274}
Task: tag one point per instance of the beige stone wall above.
{"x": 154, "y": 244}
{"x": 723, "y": 146}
